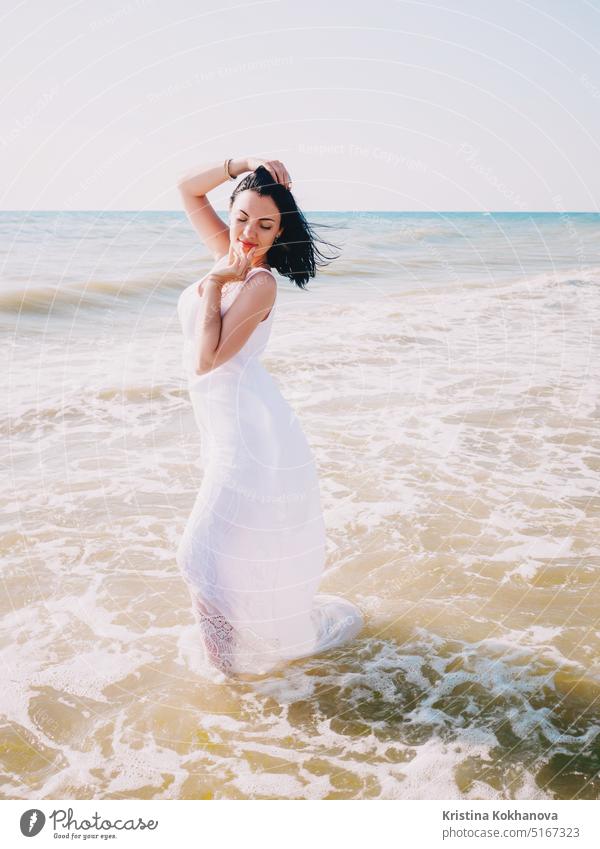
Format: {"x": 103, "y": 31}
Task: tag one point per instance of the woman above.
{"x": 253, "y": 549}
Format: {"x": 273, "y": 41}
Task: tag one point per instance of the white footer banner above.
{"x": 374, "y": 824}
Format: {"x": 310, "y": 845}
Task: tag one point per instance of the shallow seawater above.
{"x": 454, "y": 422}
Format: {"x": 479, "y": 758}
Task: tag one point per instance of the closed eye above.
{"x": 263, "y": 226}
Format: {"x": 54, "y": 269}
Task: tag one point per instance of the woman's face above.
{"x": 254, "y": 221}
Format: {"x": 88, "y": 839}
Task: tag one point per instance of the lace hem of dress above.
{"x": 218, "y": 635}
{"x": 229, "y": 649}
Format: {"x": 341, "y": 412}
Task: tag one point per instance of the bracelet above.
{"x": 226, "y": 168}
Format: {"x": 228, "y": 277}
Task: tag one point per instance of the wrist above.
{"x": 211, "y": 282}
{"x": 238, "y": 166}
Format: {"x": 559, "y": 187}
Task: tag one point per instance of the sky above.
{"x": 372, "y": 105}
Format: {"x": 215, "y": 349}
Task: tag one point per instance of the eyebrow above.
{"x": 264, "y": 217}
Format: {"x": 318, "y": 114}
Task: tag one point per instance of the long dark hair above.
{"x": 294, "y": 253}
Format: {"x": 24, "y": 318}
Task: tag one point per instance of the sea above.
{"x": 445, "y": 371}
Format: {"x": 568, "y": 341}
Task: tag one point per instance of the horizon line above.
{"x": 350, "y": 211}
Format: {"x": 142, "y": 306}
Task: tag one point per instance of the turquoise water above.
{"x": 56, "y": 263}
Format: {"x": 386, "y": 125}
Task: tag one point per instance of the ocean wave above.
{"x": 42, "y": 299}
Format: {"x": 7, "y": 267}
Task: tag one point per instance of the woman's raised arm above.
{"x": 200, "y": 181}
{"x": 194, "y": 186}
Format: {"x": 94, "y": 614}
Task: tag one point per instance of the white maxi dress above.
{"x": 253, "y": 549}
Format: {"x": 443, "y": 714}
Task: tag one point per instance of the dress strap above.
{"x": 260, "y": 268}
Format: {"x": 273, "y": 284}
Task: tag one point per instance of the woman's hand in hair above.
{"x": 231, "y": 266}
{"x": 276, "y": 168}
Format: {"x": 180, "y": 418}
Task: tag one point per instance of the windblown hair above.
{"x": 295, "y": 253}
